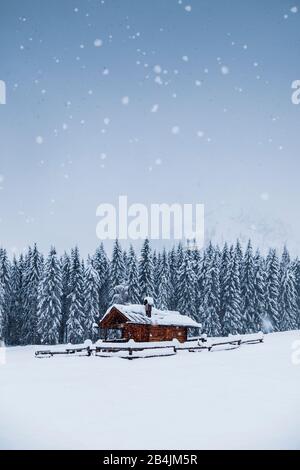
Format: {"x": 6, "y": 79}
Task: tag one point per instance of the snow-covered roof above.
{"x": 136, "y": 314}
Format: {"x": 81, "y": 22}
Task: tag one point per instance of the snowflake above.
{"x": 158, "y": 161}
{"x": 200, "y": 134}
{"x": 98, "y": 43}
{"x": 105, "y": 71}
{"x": 188, "y": 8}
{"x": 198, "y": 83}
{"x": 225, "y": 70}
{"x": 106, "y": 121}
{"x": 175, "y": 130}
{"x": 154, "y": 108}
{"x": 39, "y": 140}
{"x": 125, "y": 100}
{"x": 265, "y": 196}
{"x": 157, "y": 69}
{"x": 185, "y": 58}
{"x": 294, "y": 9}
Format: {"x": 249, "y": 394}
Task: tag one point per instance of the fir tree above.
{"x": 32, "y": 277}
{"x": 259, "y": 291}
{"x": 146, "y": 281}
{"x": 271, "y": 321}
{"x": 65, "y": 299}
{"x": 232, "y": 320}
{"x": 5, "y": 281}
{"x": 211, "y": 299}
{"x": 101, "y": 264}
{"x": 163, "y": 293}
{"x": 248, "y": 292}
{"x": 16, "y": 302}
{"x": 2, "y": 308}
{"x": 49, "y": 301}
{"x": 172, "y": 258}
{"x": 187, "y": 283}
{"x": 287, "y": 294}
{"x": 211, "y": 325}
{"x": 117, "y": 268}
{"x": 133, "y": 278}
{"x": 91, "y": 301}
{"x": 75, "y": 322}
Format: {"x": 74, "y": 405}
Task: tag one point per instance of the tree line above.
{"x": 230, "y": 290}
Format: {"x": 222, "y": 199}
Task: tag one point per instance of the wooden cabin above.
{"x": 143, "y": 323}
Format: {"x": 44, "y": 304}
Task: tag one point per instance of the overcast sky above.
{"x": 163, "y": 101}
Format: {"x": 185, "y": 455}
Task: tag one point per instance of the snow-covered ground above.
{"x": 242, "y": 398}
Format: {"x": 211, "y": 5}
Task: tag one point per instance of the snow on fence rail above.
{"x": 133, "y": 350}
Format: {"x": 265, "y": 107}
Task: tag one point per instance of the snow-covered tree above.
{"x": 16, "y": 302}
{"x": 296, "y": 266}
{"x": 163, "y": 292}
{"x": 248, "y": 291}
{"x": 91, "y": 301}
{"x": 224, "y": 268}
{"x": 32, "y": 277}
{"x": 186, "y": 287}
{"x": 49, "y": 301}
{"x": 172, "y": 260}
{"x": 2, "y": 307}
{"x": 211, "y": 299}
{"x": 146, "y": 281}
{"x": 287, "y": 294}
{"x": 117, "y": 268}
{"x": 101, "y": 264}
{"x": 65, "y": 263}
{"x": 259, "y": 291}
{"x": 271, "y": 321}
{"x": 233, "y": 320}
{"x": 75, "y": 322}
{"x": 211, "y": 325}
{"x": 5, "y": 270}
{"x": 134, "y": 296}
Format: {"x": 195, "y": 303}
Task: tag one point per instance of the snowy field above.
{"x": 243, "y": 398}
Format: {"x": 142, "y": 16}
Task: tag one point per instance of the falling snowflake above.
{"x": 225, "y": 70}
{"x": 185, "y": 58}
{"x": 125, "y": 100}
{"x": 154, "y": 108}
{"x": 188, "y": 8}
{"x": 39, "y": 140}
{"x": 175, "y": 130}
{"x": 105, "y": 72}
{"x": 158, "y": 161}
{"x": 106, "y": 121}
{"x": 157, "y": 69}
{"x": 265, "y": 196}
{"x": 198, "y": 83}
{"x": 200, "y": 134}
{"x": 294, "y": 9}
{"x": 98, "y": 43}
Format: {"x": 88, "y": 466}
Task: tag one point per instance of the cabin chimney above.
{"x": 148, "y": 302}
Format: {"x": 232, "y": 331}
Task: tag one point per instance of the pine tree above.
{"x": 211, "y": 325}
{"x": 163, "y": 293}
{"x": 211, "y": 299}
{"x": 232, "y": 320}
{"x": 271, "y": 322}
{"x": 16, "y": 302}
{"x": 65, "y": 299}
{"x": 101, "y": 264}
{"x": 49, "y": 301}
{"x": 75, "y": 322}
{"x": 248, "y": 292}
{"x": 133, "y": 278}
{"x": 32, "y": 277}
{"x": 117, "y": 268}
{"x": 172, "y": 259}
{"x": 296, "y": 266}
{"x": 2, "y": 309}
{"x": 287, "y": 294}
{"x": 146, "y": 281}
{"x": 5, "y": 281}
{"x": 156, "y": 258}
{"x": 259, "y": 291}
{"x": 91, "y": 301}
{"x": 186, "y": 286}
{"x": 224, "y": 268}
